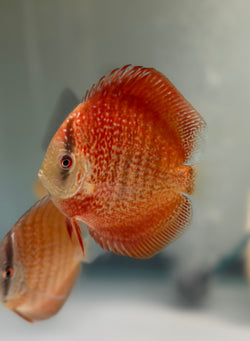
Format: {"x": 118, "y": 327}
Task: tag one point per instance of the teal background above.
{"x": 203, "y": 48}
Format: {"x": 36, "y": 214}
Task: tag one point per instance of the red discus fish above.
{"x": 122, "y": 162}
{"x": 39, "y": 263}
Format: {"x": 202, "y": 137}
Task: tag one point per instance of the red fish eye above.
{"x": 8, "y": 272}
{"x": 66, "y": 162}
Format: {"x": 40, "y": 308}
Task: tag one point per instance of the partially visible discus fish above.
{"x": 39, "y": 263}
{"x": 247, "y": 248}
{"x": 122, "y": 162}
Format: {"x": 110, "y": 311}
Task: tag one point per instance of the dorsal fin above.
{"x": 153, "y": 89}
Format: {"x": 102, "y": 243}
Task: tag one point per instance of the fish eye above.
{"x": 66, "y": 161}
{"x": 8, "y": 272}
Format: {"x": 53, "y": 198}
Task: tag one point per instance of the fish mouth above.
{"x": 41, "y": 176}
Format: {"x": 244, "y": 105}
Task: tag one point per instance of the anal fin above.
{"x": 144, "y": 243}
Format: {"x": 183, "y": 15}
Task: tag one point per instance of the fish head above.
{"x": 12, "y": 276}
{"x": 63, "y": 169}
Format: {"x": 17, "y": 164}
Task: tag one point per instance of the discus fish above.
{"x": 123, "y": 162}
{"x": 39, "y": 263}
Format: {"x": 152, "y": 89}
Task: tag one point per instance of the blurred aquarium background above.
{"x": 203, "y": 48}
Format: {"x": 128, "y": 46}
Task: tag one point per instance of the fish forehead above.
{"x": 65, "y": 135}
{"x": 4, "y": 246}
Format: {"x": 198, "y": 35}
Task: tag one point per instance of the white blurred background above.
{"x": 203, "y": 47}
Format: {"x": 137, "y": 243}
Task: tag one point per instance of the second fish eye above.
{"x": 8, "y": 272}
{"x": 66, "y": 161}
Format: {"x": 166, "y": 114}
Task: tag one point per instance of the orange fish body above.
{"x": 122, "y": 162}
{"x": 39, "y": 263}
